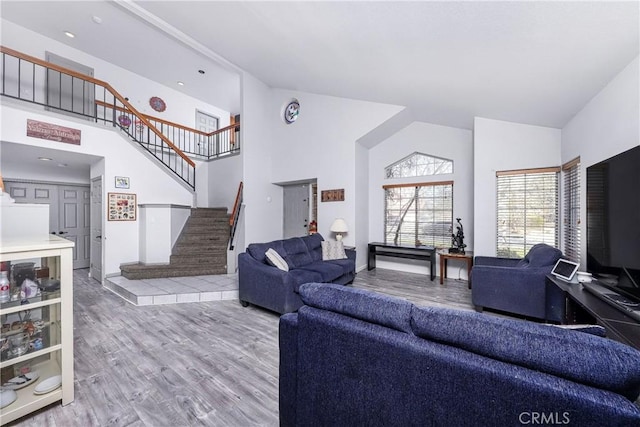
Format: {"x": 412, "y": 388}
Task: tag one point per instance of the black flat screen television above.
{"x": 613, "y": 220}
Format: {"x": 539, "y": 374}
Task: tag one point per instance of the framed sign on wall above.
{"x": 121, "y": 207}
{"x": 336, "y": 195}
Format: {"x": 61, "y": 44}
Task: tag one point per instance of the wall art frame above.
{"x": 122, "y": 182}
{"x": 336, "y": 195}
{"x": 121, "y": 207}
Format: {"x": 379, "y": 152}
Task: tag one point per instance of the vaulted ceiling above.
{"x": 529, "y": 62}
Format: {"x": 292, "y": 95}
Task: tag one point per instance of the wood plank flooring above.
{"x": 195, "y": 364}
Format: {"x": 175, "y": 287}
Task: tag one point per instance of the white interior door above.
{"x": 296, "y": 210}
{"x": 96, "y": 229}
{"x": 74, "y": 221}
{"x": 206, "y": 123}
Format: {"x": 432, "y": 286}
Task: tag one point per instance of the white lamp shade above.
{"x": 339, "y": 226}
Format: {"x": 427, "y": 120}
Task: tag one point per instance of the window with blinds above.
{"x": 527, "y": 210}
{"x": 571, "y": 210}
{"x": 419, "y": 214}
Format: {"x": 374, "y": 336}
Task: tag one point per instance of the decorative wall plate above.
{"x": 157, "y": 104}
{"x": 292, "y": 111}
{"x": 124, "y": 121}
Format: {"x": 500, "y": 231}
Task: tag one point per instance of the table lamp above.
{"x": 339, "y": 227}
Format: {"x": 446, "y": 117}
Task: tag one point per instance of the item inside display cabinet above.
{"x": 20, "y": 381}
{"x": 24, "y": 335}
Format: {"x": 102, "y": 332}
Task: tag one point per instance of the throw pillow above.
{"x": 274, "y": 259}
{"x": 333, "y": 250}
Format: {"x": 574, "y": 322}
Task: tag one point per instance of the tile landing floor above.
{"x": 174, "y": 290}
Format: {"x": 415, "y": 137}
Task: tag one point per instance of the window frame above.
{"x": 571, "y": 220}
{"x": 433, "y": 238}
{"x": 524, "y": 216}
{"x": 387, "y": 169}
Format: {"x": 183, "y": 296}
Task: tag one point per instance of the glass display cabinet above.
{"x": 36, "y": 313}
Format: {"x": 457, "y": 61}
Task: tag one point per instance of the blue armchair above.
{"x": 518, "y": 286}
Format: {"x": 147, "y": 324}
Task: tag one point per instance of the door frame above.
{"x": 102, "y": 228}
{"x": 312, "y": 202}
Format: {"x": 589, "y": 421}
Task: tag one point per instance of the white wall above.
{"x": 608, "y": 125}
{"x": 180, "y": 107}
{"x": 500, "y": 146}
{"x": 151, "y": 182}
{"x": 362, "y": 205}
{"x": 321, "y": 145}
{"x": 225, "y": 175}
{"x": 441, "y": 141}
{"x": 262, "y": 200}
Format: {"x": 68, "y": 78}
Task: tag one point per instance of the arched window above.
{"x": 418, "y": 164}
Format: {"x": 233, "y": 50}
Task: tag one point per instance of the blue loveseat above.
{"x": 264, "y": 285}
{"x": 354, "y": 357}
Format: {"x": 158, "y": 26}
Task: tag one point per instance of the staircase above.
{"x": 200, "y": 250}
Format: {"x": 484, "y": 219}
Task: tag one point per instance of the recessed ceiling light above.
{"x": 62, "y": 165}
{"x": 96, "y": 19}
{"x": 45, "y": 159}
{"x": 69, "y": 34}
{"x": 180, "y": 84}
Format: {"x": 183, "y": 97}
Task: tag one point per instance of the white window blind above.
{"x": 419, "y": 214}
{"x": 527, "y": 210}
{"x": 571, "y": 210}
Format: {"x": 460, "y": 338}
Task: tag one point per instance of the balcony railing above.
{"x": 209, "y": 145}
{"x": 56, "y": 88}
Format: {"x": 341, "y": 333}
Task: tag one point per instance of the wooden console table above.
{"x": 427, "y": 253}
{"x": 445, "y": 255}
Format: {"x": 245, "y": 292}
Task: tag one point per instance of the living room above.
{"x": 343, "y": 142}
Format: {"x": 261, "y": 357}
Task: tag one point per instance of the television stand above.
{"x": 582, "y": 306}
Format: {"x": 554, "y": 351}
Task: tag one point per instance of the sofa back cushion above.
{"x": 371, "y": 307}
{"x": 314, "y": 245}
{"x": 573, "y": 355}
{"x": 540, "y": 255}
{"x": 258, "y": 250}
{"x": 296, "y": 251}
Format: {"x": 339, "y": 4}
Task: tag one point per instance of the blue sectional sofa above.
{"x": 354, "y": 357}
{"x": 264, "y": 285}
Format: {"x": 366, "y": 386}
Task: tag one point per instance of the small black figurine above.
{"x": 457, "y": 240}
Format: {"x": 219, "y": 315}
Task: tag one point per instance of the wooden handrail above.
{"x": 177, "y": 125}
{"x": 107, "y": 86}
{"x": 236, "y": 205}
{"x": 224, "y": 129}
{"x": 156, "y": 119}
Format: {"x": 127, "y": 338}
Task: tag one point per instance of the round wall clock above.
{"x": 157, "y": 104}
{"x": 291, "y": 111}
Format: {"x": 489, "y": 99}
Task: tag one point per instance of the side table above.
{"x": 445, "y": 256}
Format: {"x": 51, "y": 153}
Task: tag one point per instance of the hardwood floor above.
{"x": 209, "y": 364}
